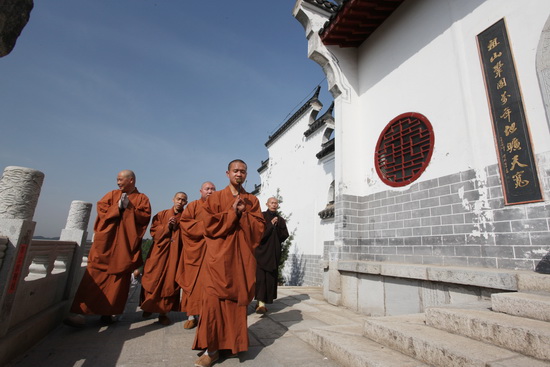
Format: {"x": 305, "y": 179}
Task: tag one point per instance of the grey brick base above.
{"x": 458, "y": 219}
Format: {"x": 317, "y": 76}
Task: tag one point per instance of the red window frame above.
{"x": 404, "y": 149}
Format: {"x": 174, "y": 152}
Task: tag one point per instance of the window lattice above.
{"x": 404, "y": 149}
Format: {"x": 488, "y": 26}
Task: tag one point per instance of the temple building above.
{"x": 300, "y": 172}
{"x": 428, "y": 179}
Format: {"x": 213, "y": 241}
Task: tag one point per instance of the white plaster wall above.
{"x": 303, "y": 183}
{"x": 424, "y": 59}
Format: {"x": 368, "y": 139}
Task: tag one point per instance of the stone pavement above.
{"x": 276, "y": 339}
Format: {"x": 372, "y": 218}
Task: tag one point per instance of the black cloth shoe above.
{"x": 107, "y": 319}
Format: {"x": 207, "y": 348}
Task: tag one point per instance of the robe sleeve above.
{"x": 141, "y": 211}
{"x": 252, "y": 222}
{"x": 282, "y": 230}
{"x": 231, "y": 240}
{"x": 160, "y": 229}
{"x": 125, "y": 255}
{"x": 191, "y": 223}
{"x": 222, "y": 221}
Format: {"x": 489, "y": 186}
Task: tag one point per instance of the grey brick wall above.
{"x": 459, "y": 219}
{"x": 304, "y": 270}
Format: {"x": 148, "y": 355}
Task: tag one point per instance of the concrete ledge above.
{"x": 533, "y": 306}
{"x": 347, "y": 346}
{"x": 529, "y": 281}
{"x": 525, "y": 336}
{"x": 409, "y": 335}
{"x": 503, "y": 279}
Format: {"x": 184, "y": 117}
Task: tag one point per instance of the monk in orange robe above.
{"x": 190, "y": 269}
{"x": 159, "y": 290}
{"x": 122, "y": 219}
{"x": 234, "y": 225}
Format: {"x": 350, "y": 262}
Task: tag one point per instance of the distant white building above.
{"x": 442, "y": 149}
{"x": 300, "y": 170}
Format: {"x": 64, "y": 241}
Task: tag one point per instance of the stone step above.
{"x": 531, "y": 305}
{"x": 410, "y": 335}
{"x": 347, "y": 346}
{"x": 519, "y": 334}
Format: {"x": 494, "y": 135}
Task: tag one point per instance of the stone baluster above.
{"x": 19, "y": 191}
{"x": 75, "y": 230}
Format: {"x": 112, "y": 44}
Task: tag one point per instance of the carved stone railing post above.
{"x": 19, "y": 192}
{"x": 75, "y": 230}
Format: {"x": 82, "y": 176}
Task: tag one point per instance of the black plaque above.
{"x": 518, "y": 171}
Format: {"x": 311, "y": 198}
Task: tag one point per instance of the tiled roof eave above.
{"x": 294, "y": 117}
{"x": 320, "y": 122}
{"x": 327, "y": 149}
{"x": 355, "y": 21}
{"x": 324, "y": 5}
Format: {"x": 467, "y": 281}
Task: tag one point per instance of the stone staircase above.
{"x": 511, "y": 330}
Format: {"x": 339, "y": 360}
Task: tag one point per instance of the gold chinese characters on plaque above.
{"x": 518, "y": 171}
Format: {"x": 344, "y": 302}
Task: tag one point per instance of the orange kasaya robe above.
{"x": 114, "y": 255}
{"x": 190, "y": 269}
{"x": 160, "y": 292}
{"x": 229, "y": 271}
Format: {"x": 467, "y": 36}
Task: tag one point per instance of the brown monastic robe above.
{"x": 190, "y": 270}
{"x": 230, "y": 269}
{"x": 114, "y": 255}
{"x": 160, "y": 291}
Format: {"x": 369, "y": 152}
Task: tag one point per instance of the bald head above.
{"x": 180, "y": 200}
{"x": 272, "y": 204}
{"x": 126, "y": 181}
{"x": 207, "y": 188}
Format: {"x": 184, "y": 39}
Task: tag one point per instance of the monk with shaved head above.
{"x": 122, "y": 219}
{"x": 233, "y": 227}
{"x": 268, "y": 255}
{"x": 159, "y": 290}
{"x": 191, "y": 270}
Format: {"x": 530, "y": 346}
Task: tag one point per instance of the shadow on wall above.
{"x": 297, "y": 269}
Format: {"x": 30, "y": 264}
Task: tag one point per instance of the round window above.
{"x": 404, "y": 149}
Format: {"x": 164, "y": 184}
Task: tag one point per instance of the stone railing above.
{"x": 37, "y": 278}
{"x": 45, "y": 274}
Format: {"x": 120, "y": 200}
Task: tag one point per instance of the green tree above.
{"x": 285, "y": 246}
{"x": 145, "y": 248}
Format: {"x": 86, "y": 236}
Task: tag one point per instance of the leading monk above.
{"x": 234, "y": 226}
{"x": 122, "y": 219}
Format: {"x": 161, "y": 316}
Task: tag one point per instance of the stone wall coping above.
{"x": 504, "y": 279}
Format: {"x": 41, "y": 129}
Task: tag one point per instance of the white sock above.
{"x": 210, "y": 353}
{"x": 191, "y": 317}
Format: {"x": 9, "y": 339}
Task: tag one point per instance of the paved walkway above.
{"x": 276, "y": 339}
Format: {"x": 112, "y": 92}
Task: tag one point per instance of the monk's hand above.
{"x": 274, "y": 221}
{"x": 123, "y": 202}
{"x": 172, "y": 223}
{"x": 238, "y": 205}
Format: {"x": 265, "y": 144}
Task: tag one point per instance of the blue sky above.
{"x": 172, "y": 89}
